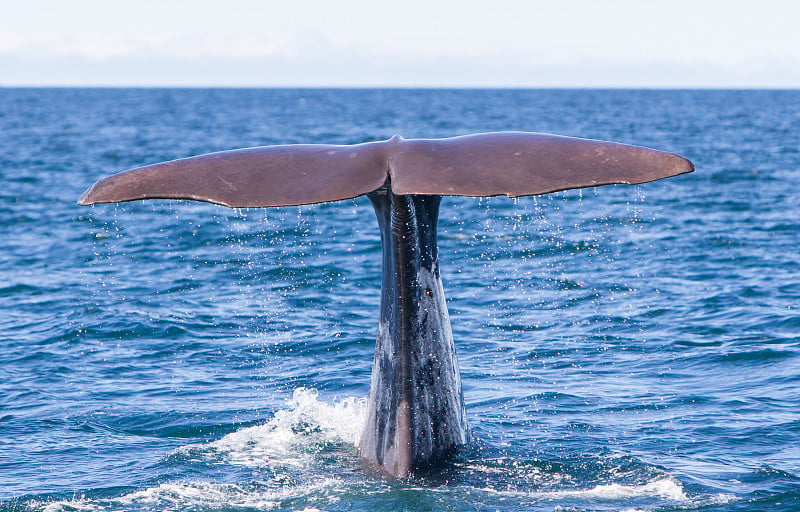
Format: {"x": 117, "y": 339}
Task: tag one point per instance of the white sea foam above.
{"x": 292, "y": 436}
{"x": 179, "y": 497}
{"x": 664, "y": 488}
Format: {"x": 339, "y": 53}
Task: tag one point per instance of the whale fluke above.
{"x": 253, "y": 177}
{"x": 416, "y": 417}
{"x": 487, "y": 164}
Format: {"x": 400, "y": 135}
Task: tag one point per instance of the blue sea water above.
{"x": 621, "y": 348}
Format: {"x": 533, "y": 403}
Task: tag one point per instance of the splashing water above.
{"x": 304, "y": 460}
{"x": 294, "y": 437}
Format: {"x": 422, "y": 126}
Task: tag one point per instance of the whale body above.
{"x": 416, "y": 417}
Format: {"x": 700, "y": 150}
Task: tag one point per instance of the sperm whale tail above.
{"x": 416, "y": 416}
{"x": 487, "y": 164}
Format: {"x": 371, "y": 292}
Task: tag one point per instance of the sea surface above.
{"x": 622, "y": 348}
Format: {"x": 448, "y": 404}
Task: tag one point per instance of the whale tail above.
{"x": 487, "y": 164}
{"x": 416, "y": 415}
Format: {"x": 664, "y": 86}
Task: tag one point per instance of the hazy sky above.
{"x": 521, "y": 43}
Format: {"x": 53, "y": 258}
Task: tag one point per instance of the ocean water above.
{"x": 621, "y": 348}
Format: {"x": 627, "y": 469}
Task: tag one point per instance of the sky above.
{"x": 402, "y": 43}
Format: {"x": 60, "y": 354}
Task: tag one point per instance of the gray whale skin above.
{"x": 416, "y": 418}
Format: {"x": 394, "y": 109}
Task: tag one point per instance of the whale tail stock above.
{"x": 416, "y": 415}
